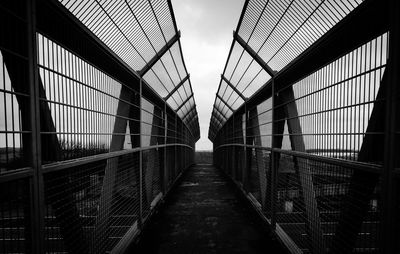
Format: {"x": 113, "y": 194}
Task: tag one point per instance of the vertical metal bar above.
{"x": 151, "y": 164}
{"x": 165, "y": 176}
{"x": 248, "y": 150}
{"x": 175, "y": 147}
{"x": 244, "y": 128}
{"x": 261, "y": 167}
{"x": 141, "y": 155}
{"x": 232, "y": 148}
{"x": 362, "y": 184}
{"x": 37, "y": 179}
{"x": 111, "y": 169}
{"x": 273, "y": 169}
{"x": 390, "y": 195}
{"x": 297, "y": 143}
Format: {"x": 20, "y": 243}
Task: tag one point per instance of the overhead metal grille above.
{"x": 277, "y": 32}
{"x": 144, "y": 35}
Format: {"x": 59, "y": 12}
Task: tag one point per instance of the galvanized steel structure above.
{"x": 306, "y": 121}
{"x": 98, "y": 120}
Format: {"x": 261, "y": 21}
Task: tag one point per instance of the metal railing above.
{"x": 97, "y": 121}
{"x": 305, "y": 121}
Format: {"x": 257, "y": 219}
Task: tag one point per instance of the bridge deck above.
{"x": 204, "y": 215}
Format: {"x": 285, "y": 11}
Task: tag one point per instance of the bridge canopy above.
{"x": 145, "y": 36}
{"x": 269, "y": 36}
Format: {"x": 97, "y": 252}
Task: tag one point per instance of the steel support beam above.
{"x": 186, "y": 117}
{"x": 233, "y": 88}
{"x": 56, "y": 22}
{"x": 117, "y": 142}
{"x": 36, "y": 117}
{"x": 303, "y": 169}
{"x": 216, "y": 109}
{"x": 260, "y": 163}
{"x": 391, "y": 190}
{"x": 194, "y": 118}
{"x": 153, "y": 160}
{"x": 191, "y": 119}
{"x": 188, "y": 113}
{"x": 362, "y": 184}
{"x": 278, "y": 128}
{"x": 214, "y": 124}
{"x": 34, "y": 231}
{"x": 247, "y": 152}
{"x": 218, "y": 119}
{"x": 177, "y": 87}
{"x": 159, "y": 54}
{"x": 184, "y": 102}
{"x": 253, "y": 54}
{"x": 366, "y": 22}
{"x": 223, "y": 101}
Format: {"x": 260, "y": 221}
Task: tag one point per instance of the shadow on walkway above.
{"x": 204, "y": 214}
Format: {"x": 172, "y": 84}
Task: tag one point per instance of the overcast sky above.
{"x": 206, "y": 35}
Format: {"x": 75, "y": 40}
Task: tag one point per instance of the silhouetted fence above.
{"x": 97, "y": 121}
{"x": 306, "y": 121}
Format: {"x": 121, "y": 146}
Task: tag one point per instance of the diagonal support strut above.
{"x": 234, "y": 88}
{"x": 177, "y": 87}
{"x": 159, "y": 54}
{"x": 184, "y": 102}
{"x": 253, "y": 54}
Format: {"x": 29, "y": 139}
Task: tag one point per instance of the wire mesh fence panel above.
{"x": 151, "y": 179}
{"x": 82, "y": 104}
{"x": 332, "y": 185}
{"x": 319, "y": 122}
{"x": 337, "y": 104}
{"x": 15, "y": 127}
{"x": 80, "y": 216}
{"x": 84, "y": 138}
{"x": 15, "y": 212}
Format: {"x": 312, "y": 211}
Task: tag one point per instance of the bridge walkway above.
{"x": 204, "y": 214}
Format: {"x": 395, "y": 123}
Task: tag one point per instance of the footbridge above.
{"x": 98, "y": 130}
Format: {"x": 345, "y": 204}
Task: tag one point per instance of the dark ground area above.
{"x": 204, "y": 157}
{"x": 204, "y": 214}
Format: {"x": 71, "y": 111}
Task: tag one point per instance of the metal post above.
{"x": 140, "y": 157}
{"x": 175, "y": 147}
{"x": 244, "y": 134}
{"x": 260, "y": 164}
{"x": 37, "y": 179}
{"x": 389, "y": 242}
{"x": 297, "y": 142}
{"x": 153, "y": 162}
{"x": 165, "y": 168}
{"x": 232, "y": 149}
{"x": 273, "y": 169}
{"x": 248, "y": 151}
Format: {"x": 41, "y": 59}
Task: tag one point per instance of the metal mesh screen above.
{"x": 332, "y": 184}
{"x": 280, "y": 30}
{"x": 83, "y": 207}
{"x": 334, "y": 104}
{"x": 87, "y": 147}
{"x": 14, "y": 90}
{"x": 131, "y": 29}
{"x": 15, "y": 212}
{"x": 320, "y": 132}
{"x": 144, "y": 35}
{"x": 82, "y": 102}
